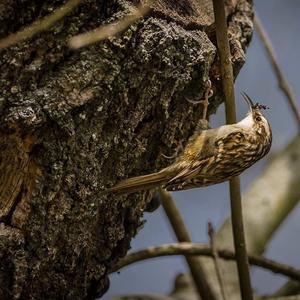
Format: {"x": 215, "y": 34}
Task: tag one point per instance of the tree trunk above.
{"x": 72, "y": 123}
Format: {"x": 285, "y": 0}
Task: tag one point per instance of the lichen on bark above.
{"x": 86, "y": 119}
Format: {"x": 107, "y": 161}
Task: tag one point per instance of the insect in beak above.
{"x": 253, "y": 106}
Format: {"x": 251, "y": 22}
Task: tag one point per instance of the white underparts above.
{"x": 247, "y": 122}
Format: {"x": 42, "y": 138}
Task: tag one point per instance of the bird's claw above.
{"x": 179, "y": 147}
{"x": 194, "y": 101}
{"x": 169, "y": 157}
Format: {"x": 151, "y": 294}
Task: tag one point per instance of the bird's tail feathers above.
{"x": 144, "y": 182}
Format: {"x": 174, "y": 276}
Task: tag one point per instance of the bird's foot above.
{"x": 208, "y": 93}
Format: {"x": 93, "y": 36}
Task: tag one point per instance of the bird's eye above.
{"x": 258, "y": 118}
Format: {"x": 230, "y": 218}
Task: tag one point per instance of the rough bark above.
{"x": 74, "y": 122}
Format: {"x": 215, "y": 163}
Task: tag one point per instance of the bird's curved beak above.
{"x": 248, "y": 101}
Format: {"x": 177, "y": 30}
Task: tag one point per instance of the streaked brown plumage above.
{"x": 216, "y": 155}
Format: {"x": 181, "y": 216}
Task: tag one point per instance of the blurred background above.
{"x": 282, "y": 22}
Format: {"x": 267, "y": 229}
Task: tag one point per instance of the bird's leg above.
{"x": 205, "y": 102}
{"x": 203, "y": 122}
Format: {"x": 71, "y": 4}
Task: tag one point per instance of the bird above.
{"x": 213, "y": 156}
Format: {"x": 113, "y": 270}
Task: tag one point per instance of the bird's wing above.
{"x": 203, "y": 153}
{"x": 202, "y": 147}
{"x": 185, "y": 177}
{"x": 195, "y": 157}
{"x": 230, "y": 141}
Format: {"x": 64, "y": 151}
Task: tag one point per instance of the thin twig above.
{"x": 182, "y": 234}
{"x": 290, "y": 287}
{"x": 282, "y": 81}
{"x": 40, "y": 25}
{"x": 291, "y": 297}
{"x": 235, "y": 193}
{"x": 211, "y": 234}
{"x": 109, "y": 30}
{"x": 204, "y": 250}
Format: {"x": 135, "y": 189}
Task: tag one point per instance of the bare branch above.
{"x": 291, "y": 287}
{"x": 109, "y": 30}
{"x": 182, "y": 235}
{"x": 211, "y": 234}
{"x": 204, "y": 250}
{"x": 282, "y": 81}
{"x": 235, "y": 193}
{"x": 294, "y": 297}
{"x": 40, "y": 25}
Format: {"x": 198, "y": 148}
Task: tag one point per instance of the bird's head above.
{"x": 255, "y": 119}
